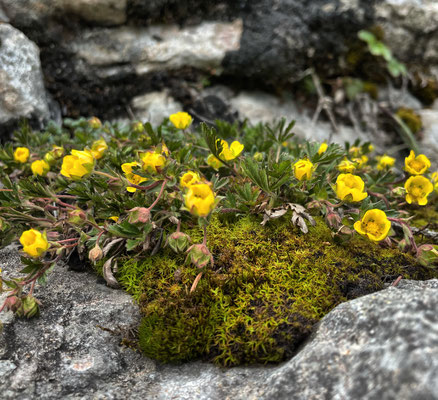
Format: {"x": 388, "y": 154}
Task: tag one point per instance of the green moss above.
{"x": 425, "y": 216}
{"x": 410, "y": 118}
{"x": 268, "y": 288}
{"x": 425, "y": 89}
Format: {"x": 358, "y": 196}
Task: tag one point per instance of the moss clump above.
{"x": 411, "y": 119}
{"x": 268, "y": 287}
{"x": 425, "y": 90}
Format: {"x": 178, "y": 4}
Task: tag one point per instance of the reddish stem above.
{"x": 67, "y": 240}
{"x": 61, "y": 203}
{"x": 159, "y": 195}
{"x": 151, "y": 186}
{"x": 32, "y": 287}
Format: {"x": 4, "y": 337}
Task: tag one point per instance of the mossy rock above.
{"x": 425, "y": 89}
{"x": 268, "y": 287}
{"x": 411, "y": 119}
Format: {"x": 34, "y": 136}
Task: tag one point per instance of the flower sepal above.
{"x": 199, "y": 255}
{"x": 29, "y": 307}
{"x": 427, "y": 255}
{"x": 178, "y": 242}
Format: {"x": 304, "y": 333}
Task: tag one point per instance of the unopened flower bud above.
{"x": 12, "y": 303}
{"x": 54, "y": 154}
{"x": 139, "y": 214}
{"x": 333, "y": 220}
{"x": 77, "y": 217}
{"x": 138, "y": 127}
{"x": 95, "y": 253}
{"x": 399, "y": 191}
{"x": 427, "y": 255}
{"x": 94, "y": 123}
{"x": 258, "y": 156}
{"x": 199, "y": 255}
{"x": 178, "y": 241}
{"x": 29, "y": 307}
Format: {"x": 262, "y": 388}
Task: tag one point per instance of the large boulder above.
{"x": 22, "y": 92}
{"x": 381, "y": 346}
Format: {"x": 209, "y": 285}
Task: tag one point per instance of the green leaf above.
{"x": 257, "y": 175}
{"x": 125, "y": 229}
{"x": 366, "y": 36}
{"x": 131, "y": 244}
{"x": 406, "y": 134}
{"x": 156, "y": 139}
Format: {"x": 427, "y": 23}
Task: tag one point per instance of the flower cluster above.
{"x": 417, "y": 186}
{"x": 108, "y": 191}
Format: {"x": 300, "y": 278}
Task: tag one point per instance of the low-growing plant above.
{"x": 109, "y": 193}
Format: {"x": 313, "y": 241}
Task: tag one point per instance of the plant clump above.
{"x": 268, "y": 287}
{"x": 191, "y": 221}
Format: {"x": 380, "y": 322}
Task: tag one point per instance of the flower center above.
{"x": 372, "y": 227}
{"x": 417, "y": 191}
{"x": 416, "y": 165}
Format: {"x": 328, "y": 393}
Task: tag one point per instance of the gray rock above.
{"x": 263, "y": 107}
{"x": 283, "y": 38}
{"x": 154, "y": 107}
{"x": 381, "y": 346}
{"x": 158, "y": 47}
{"x": 22, "y": 92}
{"x": 429, "y": 142}
{"x": 410, "y": 28}
{"x": 101, "y": 12}
{"x": 68, "y": 351}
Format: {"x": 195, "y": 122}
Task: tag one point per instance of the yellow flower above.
{"x": 152, "y": 161}
{"x": 34, "y": 242}
{"x": 213, "y": 162}
{"x": 417, "y": 190}
{"x": 360, "y": 161}
{"x": 40, "y": 167}
{"x": 346, "y": 166}
{"x": 231, "y": 152}
{"x": 303, "y": 169}
{"x": 258, "y": 156}
{"x": 350, "y": 188}
{"x": 355, "y": 151}
{"x": 385, "y": 162}
{"x": 21, "y": 154}
{"x": 370, "y": 148}
{"x": 374, "y": 225}
{"x": 131, "y": 177}
{"x": 98, "y": 148}
{"x": 323, "y": 148}
{"x": 200, "y": 199}
{"x": 181, "y": 120}
{"x": 416, "y": 165}
{"x": 164, "y": 149}
{"x": 78, "y": 164}
{"x": 115, "y": 218}
{"x": 189, "y": 178}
